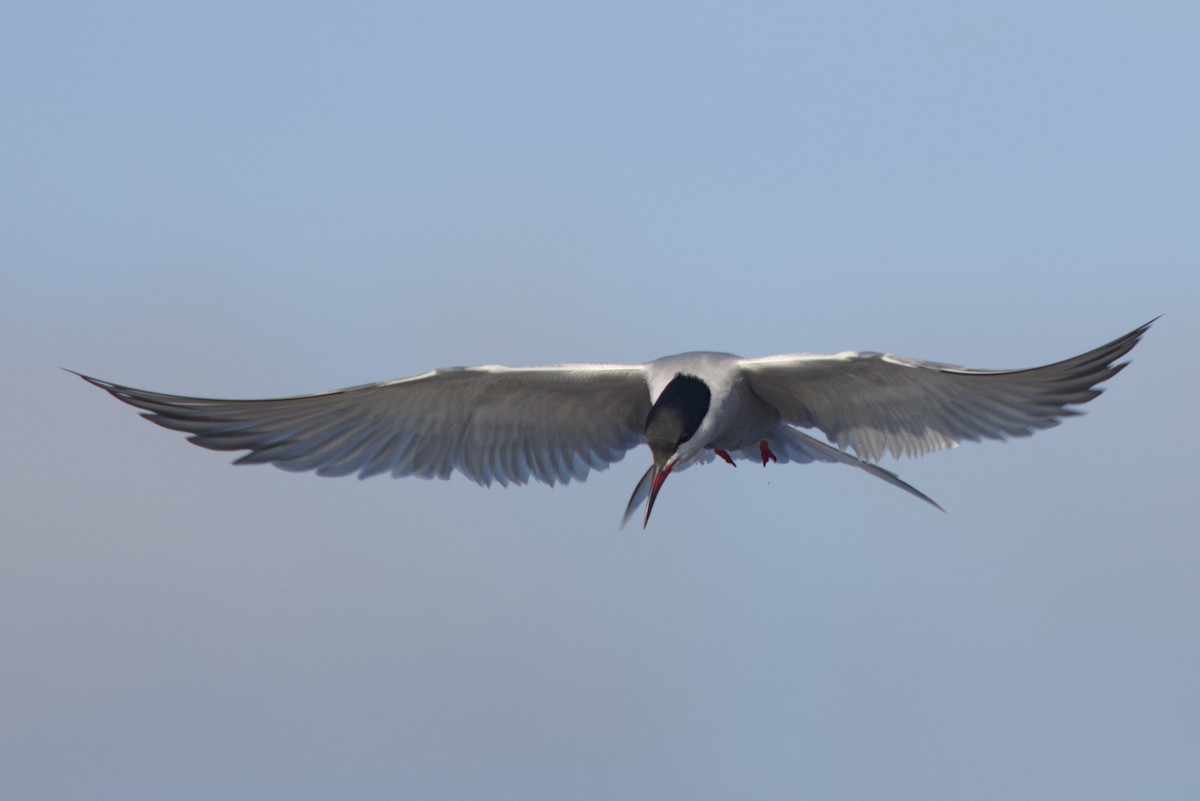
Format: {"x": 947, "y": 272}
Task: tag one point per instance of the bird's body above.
{"x": 736, "y": 419}
{"x": 556, "y": 423}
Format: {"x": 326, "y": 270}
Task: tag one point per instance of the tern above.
{"x": 557, "y": 423}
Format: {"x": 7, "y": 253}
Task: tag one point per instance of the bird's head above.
{"x": 673, "y": 420}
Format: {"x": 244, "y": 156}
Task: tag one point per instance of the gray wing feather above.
{"x": 877, "y": 403}
{"x": 508, "y": 425}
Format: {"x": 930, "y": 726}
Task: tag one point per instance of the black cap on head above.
{"x": 676, "y": 415}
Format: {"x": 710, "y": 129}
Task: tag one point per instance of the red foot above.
{"x": 765, "y": 450}
{"x": 724, "y": 456}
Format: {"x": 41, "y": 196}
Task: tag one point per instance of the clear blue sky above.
{"x": 247, "y": 200}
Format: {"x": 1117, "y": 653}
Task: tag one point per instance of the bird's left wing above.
{"x": 876, "y": 403}
{"x": 508, "y": 425}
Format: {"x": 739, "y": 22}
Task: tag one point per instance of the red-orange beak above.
{"x": 659, "y": 476}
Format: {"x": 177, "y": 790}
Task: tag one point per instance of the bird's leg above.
{"x": 765, "y": 450}
{"x": 724, "y": 456}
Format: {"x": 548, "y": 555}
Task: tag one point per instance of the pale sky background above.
{"x": 262, "y": 199}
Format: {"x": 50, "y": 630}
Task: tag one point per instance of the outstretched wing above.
{"x": 876, "y": 403}
{"x": 549, "y": 424}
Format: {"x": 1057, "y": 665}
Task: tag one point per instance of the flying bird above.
{"x": 557, "y": 423}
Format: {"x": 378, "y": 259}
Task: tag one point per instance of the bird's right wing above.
{"x": 508, "y": 425}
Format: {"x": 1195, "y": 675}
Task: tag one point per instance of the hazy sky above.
{"x": 248, "y": 200}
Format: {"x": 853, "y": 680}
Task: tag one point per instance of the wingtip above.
{"x": 1137, "y": 333}
{"x": 108, "y": 386}
{"x": 96, "y": 382}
